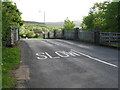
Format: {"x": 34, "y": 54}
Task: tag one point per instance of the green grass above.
{"x": 34, "y": 38}
{"x": 115, "y": 45}
{"x": 10, "y": 60}
{"x": 37, "y": 38}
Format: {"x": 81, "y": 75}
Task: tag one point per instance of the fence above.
{"x": 14, "y": 35}
{"x": 69, "y": 34}
{"x": 87, "y": 36}
{"x": 109, "y": 37}
{"x": 58, "y": 34}
{"x": 51, "y": 35}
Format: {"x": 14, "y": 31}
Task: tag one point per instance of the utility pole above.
{"x": 44, "y": 18}
{"x": 44, "y": 24}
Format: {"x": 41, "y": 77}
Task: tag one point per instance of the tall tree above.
{"x": 112, "y": 16}
{"x": 96, "y": 17}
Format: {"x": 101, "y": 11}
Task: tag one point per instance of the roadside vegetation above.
{"x": 69, "y": 25}
{"x": 0, "y": 45}
{"x": 32, "y": 31}
{"x": 11, "y": 18}
{"x": 103, "y": 16}
{"x": 10, "y": 61}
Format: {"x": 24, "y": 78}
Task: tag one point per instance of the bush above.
{"x": 36, "y": 35}
{"x": 30, "y": 34}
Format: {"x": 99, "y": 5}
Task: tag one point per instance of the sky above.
{"x": 55, "y": 10}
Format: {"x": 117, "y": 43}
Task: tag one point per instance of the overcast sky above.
{"x": 55, "y": 10}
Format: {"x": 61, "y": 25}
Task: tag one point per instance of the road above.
{"x": 57, "y": 63}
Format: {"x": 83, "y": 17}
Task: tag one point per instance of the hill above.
{"x": 77, "y": 23}
{"x": 34, "y": 22}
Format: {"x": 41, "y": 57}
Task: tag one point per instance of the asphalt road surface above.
{"x": 57, "y": 63}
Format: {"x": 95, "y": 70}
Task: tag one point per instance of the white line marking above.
{"x": 95, "y": 59}
{"x": 58, "y": 53}
{"x": 50, "y": 56}
{"x": 43, "y": 56}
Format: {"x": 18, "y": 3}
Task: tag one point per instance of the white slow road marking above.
{"x": 50, "y": 55}
{"x": 95, "y": 59}
{"x": 88, "y": 55}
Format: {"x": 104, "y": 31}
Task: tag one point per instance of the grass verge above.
{"x": 33, "y": 38}
{"x": 10, "y": 60}
{"x": 115, "y": 45}
{"x": 37, "y": 38}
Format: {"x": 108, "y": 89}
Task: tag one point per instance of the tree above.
{"x": 69, "y": 25}
{"x": 112, "y": 16}
{"x": 88, "y": 22}
{"x": 96, "y": 17}
{"x": 11, "y": 18}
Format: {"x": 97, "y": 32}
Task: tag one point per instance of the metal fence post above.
{"x": 97, "y": 37}
{"x": 54, "y": 33}
{"x": 44, "y": 36}
{"x": 76, "y": 33}
{"x": 110, "y": 37}
{"x": 63, "y": 33}
{"x": 48, "y": 34}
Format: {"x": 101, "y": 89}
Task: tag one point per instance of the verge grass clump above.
{"x": 10, "y": 60}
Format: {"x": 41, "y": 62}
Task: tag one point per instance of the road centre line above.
{"x": 95, "y": 59}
